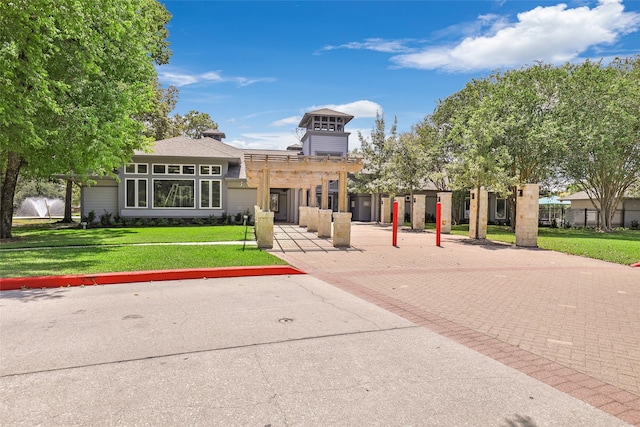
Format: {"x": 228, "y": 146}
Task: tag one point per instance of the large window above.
{"x": 136, "y": 193}
{"x": 211, "y": 194}
{"x": 174, "y": 193}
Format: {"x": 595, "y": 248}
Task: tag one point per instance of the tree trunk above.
{"x": 68, "y": 195}
{"x": 9, "y": 181}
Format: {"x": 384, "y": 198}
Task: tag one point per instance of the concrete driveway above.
{"x": 259, "y": 351}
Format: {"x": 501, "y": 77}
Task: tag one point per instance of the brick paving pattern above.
{"x": 568, "y": 321}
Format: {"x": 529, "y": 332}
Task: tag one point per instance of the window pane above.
{"x": 131, "y": 193}
{"x": 173, "y": 193}
{"x": 174, "y": 169}
{"x": 142, "y": 193}
{"x": 142, "y": 168}
{"x": 216, "y": 170}
{"x": 216, "y": 199}
{"x": 188, "y": 170}
{"x": 501, "y": 208}
{"x": 204, "y": 194}
{"x": 130, "y": 168}
{"x": 159, "y": 169}
{"x": 205, "y": 170}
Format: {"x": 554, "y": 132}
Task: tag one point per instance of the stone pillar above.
{"x": 400, "y": 200}
{"x": 324, "y": 222}
{"x": 445, "y": 199}
{"x": 418, "y": 211}
{"x": 266, "y": 191}
{"x": 312, "y": 219}
{"x": 527, "y": 215}
{"x": 264, "y": 229}
{"x": 303, "y": 212}
{"x": 342, "y": 192}
{"x": 385, "y": 216}
{"x": 478, "y": 203}
{"x": 341, "y": 229}
{"x": 324, "y": 195}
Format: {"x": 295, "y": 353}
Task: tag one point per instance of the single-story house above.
{"x": 195, "y": 178}
{"x": 583, "y": 213}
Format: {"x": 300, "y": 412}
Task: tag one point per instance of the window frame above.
{"x": 210, "y": 206}
{"x": 153, "y": 195}
{"x": 180, "y": 169}
{"x": 136, "y": 190}
{"x": 211, "y": 170}
{"x": 137, "y": 169}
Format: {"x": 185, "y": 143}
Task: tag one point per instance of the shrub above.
{"x": 91, "y": 216}
{"x": 635, "y": 225}
{"x": 163, "y": 222}
{"x": 105, "y": 219}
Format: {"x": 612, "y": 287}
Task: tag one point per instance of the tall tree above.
{"x": 74, "y": 74}
{"x": 526, "y": 123}
{"x": 376, "y": 153}
{"x": 157, "y": 122}
{"x": 477, "y": 158}
{"x": 195, "y": 122}
{"x": 600, "y": 121}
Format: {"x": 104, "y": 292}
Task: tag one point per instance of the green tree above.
{"x": 600, "y": 123}
{"x": 157, "y": 122}
{"x": 467, "y": 121}
{"x": 74, "y": 75}
{"x": 526, "y": 124}
{"x": 376, "y": 153}
{"x": 194, "y": 123}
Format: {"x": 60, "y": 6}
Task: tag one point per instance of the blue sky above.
{"x": 257, "y": 66}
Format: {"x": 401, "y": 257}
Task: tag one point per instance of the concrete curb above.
{"x": 15, "y": 283}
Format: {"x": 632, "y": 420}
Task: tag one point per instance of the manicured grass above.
{"x": 48, "y": 235}
{"x": 49, "y": 249}
{"x": 622, "y": 247}
{"x": 106, "y": 259}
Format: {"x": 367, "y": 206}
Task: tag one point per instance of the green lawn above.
{"x": 48, "y": 250}
{"x": 622, "y": 247}
{"x": 50, "y": 235}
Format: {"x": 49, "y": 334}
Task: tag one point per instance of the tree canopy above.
{"x": 74, "y": 75}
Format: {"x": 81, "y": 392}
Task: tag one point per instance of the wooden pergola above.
{"x": 266, "y": 171}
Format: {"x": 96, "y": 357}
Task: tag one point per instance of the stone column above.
{"x": 387, "y": 207}
{"x": 400, "y": 200}
{"x": 341, "y": 229}
{"x": 527, "y": 215}
{"x": 445, "y": 212}
{"x": 342, "y": 192}
{"x": 324, "y": 222}
{"x": 418, "y": 211}
{"x": 478, "y": 203}
{"x": 312, "y": 219}
{"x": 264, "y": 229}
{"x": 303, "y": 209}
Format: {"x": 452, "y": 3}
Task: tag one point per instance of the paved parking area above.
{"x": 568, "y": 321}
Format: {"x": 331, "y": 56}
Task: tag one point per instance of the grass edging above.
{"x": 16, "y": 283}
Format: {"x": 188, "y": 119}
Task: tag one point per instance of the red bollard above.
{"x": 438, "y": 222}
{"x": 395, "y": 224}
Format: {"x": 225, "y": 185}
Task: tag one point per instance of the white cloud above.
{"x": 287, "y": 121}
{"x": 168, "y": 76}
{"x": 552, "y": 34}
{"x": 358, "y": 109}
{"x": 374, "y": 44}
{"x": 265, "y": 141}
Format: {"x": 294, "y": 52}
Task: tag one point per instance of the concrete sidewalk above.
{"x": 259, "y": 351}
{"x": 568, "y": 321}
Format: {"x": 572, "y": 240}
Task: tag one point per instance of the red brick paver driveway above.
{"x": 571, "y": 322}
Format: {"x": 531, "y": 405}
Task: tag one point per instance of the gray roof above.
{"x": 324, "y": 112}
{"x": 183, "y": 146}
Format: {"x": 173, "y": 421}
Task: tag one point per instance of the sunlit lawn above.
{"x": 622, "y": 247}
{"x": 41, "y": 250}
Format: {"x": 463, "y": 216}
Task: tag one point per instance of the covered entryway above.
{"x": 301, "y": 175}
